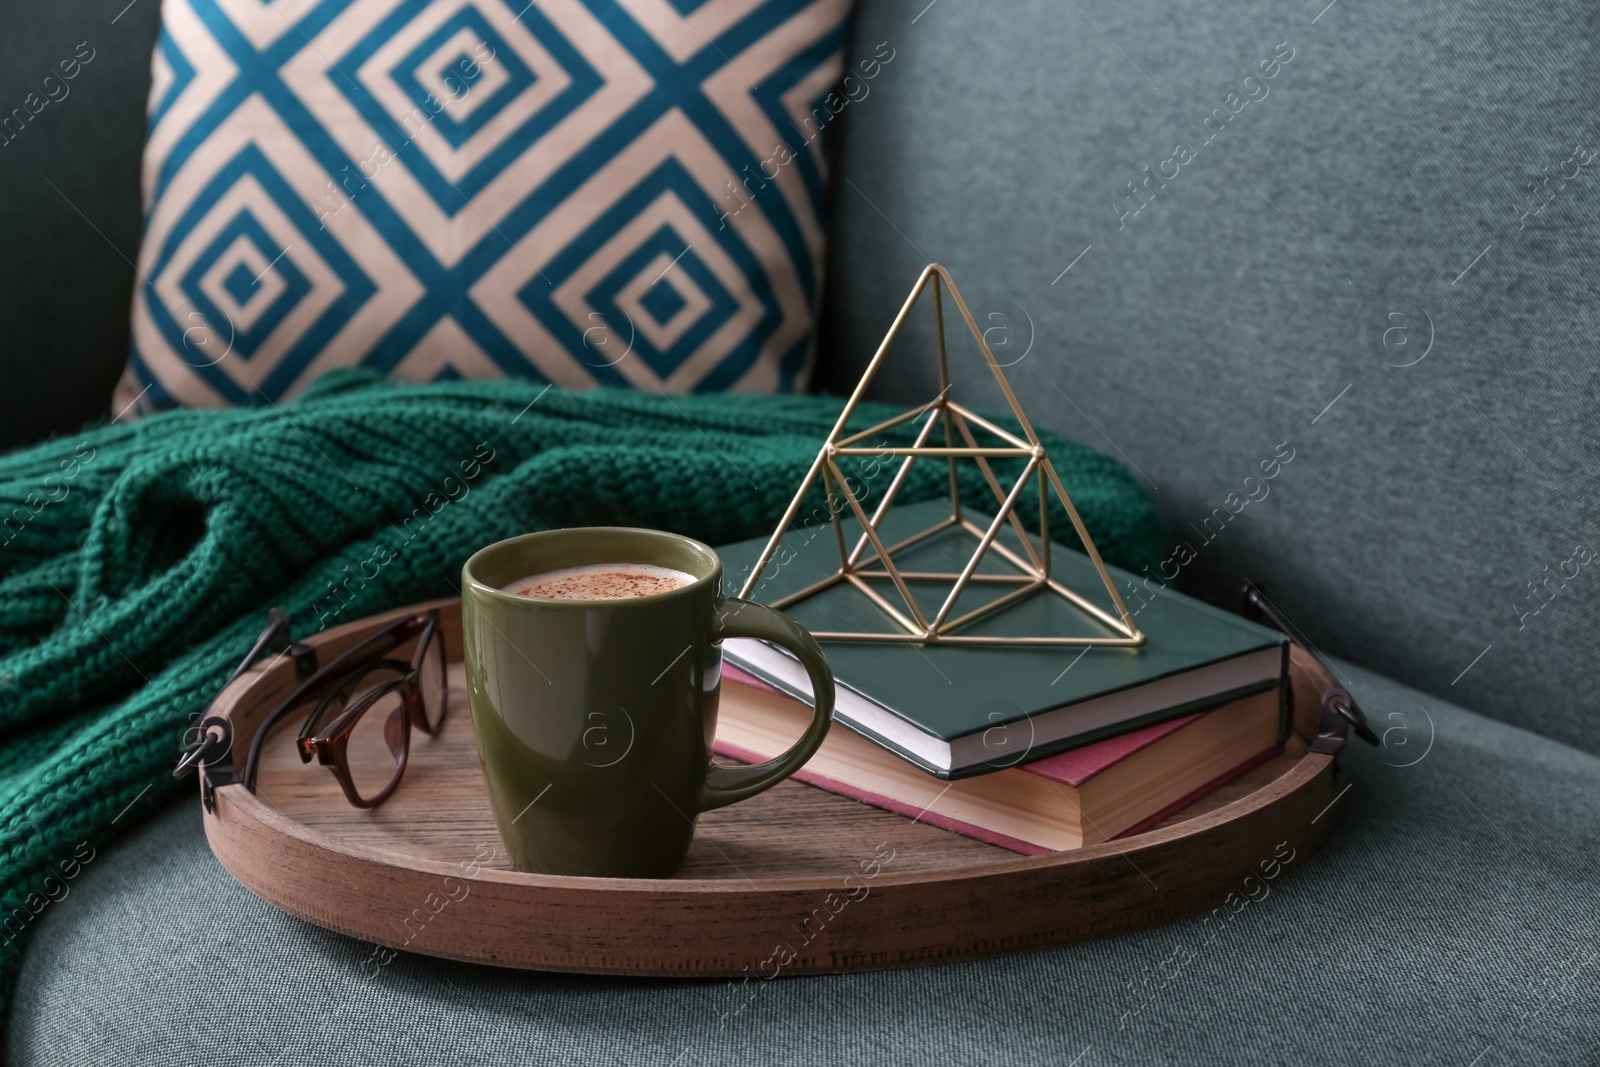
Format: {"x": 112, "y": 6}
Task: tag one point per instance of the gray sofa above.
{"x": 1191, "y": 271}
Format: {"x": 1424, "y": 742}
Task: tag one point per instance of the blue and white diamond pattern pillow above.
{"x": 621, "y": 192}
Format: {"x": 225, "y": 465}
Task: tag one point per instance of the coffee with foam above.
{"x": 600, "y": 581}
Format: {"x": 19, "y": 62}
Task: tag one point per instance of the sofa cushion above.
{"x": 623, "y": 194}
{"x": 1380, "y": 257}
{"x": 1450, "y": 920}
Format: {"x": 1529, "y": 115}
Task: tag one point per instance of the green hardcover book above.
{"x": 956, "y": 711}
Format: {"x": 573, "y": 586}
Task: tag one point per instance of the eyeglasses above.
{"x": 363, "y": 706}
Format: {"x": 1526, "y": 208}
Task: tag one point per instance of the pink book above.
{"x": 1111, "y": 788}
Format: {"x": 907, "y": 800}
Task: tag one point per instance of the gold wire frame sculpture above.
{"x": 1032, "y": 565}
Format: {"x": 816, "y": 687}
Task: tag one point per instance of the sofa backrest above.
{"x": 1379, "y": 259}
{"x": 74, "y": 76}
{"x": 1210, "y": 235}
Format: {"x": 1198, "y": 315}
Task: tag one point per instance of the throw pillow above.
{"x": 619, "y": 192}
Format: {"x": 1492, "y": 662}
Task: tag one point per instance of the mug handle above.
{"x": 746, "y": 618}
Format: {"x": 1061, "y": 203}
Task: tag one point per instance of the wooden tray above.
{"x": 795, "y": 881}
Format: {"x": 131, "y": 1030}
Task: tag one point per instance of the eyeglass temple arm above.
{"x": 277, "y": 639}
{"x": 396, "y": 634}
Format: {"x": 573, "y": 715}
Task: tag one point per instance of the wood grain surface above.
{"x": 795, "y": 881}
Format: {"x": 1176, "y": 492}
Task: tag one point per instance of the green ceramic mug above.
{"x": 595, "y": 717}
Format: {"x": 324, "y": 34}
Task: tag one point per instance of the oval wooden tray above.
{"x": 795, "y": 881}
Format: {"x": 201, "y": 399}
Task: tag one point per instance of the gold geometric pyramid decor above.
{"x": 1032, "y": 566}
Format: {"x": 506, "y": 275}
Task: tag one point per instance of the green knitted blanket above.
{"x": 137, "y": 561}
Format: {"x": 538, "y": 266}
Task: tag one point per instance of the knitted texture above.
{"x": 137, "y": 562}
